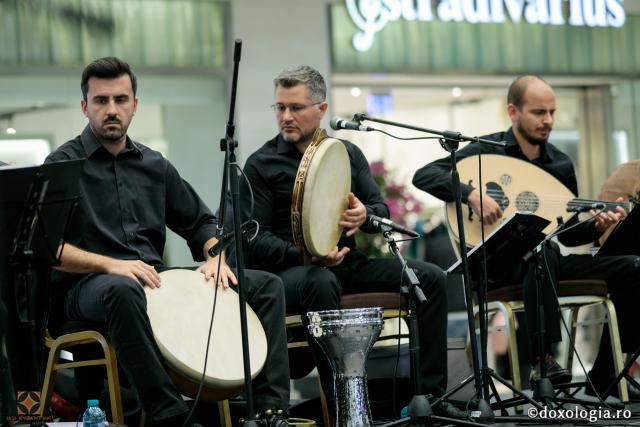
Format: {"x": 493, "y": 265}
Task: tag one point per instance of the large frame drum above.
{"x": 320, "y": 196}
{"x": 180, "y": 315}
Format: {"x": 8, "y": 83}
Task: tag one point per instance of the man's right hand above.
{"x": 490, "y": 208}
{"x": 334, "y": 258}
{"x": 139, "y": 271}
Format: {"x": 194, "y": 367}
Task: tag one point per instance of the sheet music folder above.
{"x": 624, "y": 239}
{"x": 507, "y": 244}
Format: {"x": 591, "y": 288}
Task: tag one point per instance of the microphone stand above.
{"x": 450, "y": 142}
{"x": 419, "y": 407}
{"x": 543, "y": 390}
{"x": 230, "y": 174}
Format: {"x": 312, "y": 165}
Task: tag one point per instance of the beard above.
{"x": 530, "y": 138}
{"x": 301, "y": 139}
{"x": 110, "y": 135}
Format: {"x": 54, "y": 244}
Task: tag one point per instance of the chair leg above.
{"x": 616, "y": 348}
{"x": 224, "y": 412}
{"x": 114, "y": 384}
{"x": 514, "y": 358}
{"x": 326, "y": 418}
{"x": 49, "y": 379}
{"x": 573, "y": 330}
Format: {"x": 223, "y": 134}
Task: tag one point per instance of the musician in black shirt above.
{"x": 300, "y": 105}
{"x": 531, "y": 107}
{"x": 131, "y": 194}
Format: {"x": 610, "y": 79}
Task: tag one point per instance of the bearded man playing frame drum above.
{"x": 300, "y": 105}
{"x": 131, "y": 194}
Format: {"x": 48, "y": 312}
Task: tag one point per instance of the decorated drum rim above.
{"x": 346, "y": 316}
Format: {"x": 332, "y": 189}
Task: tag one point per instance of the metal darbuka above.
{"x": 346, "y": 336}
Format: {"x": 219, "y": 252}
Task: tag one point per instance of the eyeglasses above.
{"x": 293, "y": 108}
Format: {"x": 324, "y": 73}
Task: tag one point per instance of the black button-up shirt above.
{"x": 272, "y": 170}
{"x": 130, "y": 199}
{"x": 435, "y": 178}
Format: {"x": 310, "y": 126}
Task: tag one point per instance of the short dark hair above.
{"x": 106, "y": 68}
{"x": 518, "y": 88}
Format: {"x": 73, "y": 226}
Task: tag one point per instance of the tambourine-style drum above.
{"x": 180, "y": 314}
{"x": 346, "y": 336}
{"x": 320, "y": 195}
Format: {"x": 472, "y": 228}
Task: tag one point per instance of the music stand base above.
{"x": 419, "y": 407}
{"x": 482, "y": 412}
{"x": 543, "y": 390}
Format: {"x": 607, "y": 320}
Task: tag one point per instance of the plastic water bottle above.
{"x": 93, "y": 416}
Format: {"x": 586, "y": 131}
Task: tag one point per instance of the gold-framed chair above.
{"x": 572, "y": 295}
{"x": 75, "y": 334}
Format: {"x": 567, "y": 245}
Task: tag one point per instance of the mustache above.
{"x": 112, "y": 119}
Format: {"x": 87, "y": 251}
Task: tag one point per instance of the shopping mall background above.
{"x": 434, "y": 74}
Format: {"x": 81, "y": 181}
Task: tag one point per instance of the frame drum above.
{"x": 180, "y": 313}
{"x": 320, "y": 195}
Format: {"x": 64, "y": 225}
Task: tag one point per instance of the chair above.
{"x": 393, "y": 305}
{"x": 572, "y": 295}
{"x": 81, "y": 333}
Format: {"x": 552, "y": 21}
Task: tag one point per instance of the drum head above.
{"x": 180, "y": 312}
{"x": 326, "y": 192}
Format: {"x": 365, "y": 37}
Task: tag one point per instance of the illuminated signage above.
{"x": 371, "y": 16}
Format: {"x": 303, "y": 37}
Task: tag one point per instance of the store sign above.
{"x": 371, "y": 16}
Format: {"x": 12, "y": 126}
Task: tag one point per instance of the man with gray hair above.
{"x": 300, "y": 104}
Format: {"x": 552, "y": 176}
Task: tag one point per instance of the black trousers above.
{"x": 120, "y": 302}
{"x": 622, "y": 274}
{"x": 312, "y": 288}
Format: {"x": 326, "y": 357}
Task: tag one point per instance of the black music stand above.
{"x": 36, "y": 203}
{"x": 624, "y": 239}
{"x": 506, "y": 245}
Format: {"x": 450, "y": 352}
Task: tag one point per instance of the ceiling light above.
{"x": 356, "y": 91}
{"x": 456, "y": 92}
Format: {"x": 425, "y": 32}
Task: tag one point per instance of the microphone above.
{"x": 221, "y": 245}
{"x": 585, "y": 208}
{"x": 386, "y": 224}
{"x": 337, "y": 123}
{"x": 226, "y": 240}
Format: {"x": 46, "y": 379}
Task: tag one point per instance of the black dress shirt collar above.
{"x": 284, "y": 147}
{"x": 514, "y": 147}
{"x": 91, "y": 144}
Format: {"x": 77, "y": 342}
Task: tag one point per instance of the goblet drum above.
{"x": 346, "y": 336}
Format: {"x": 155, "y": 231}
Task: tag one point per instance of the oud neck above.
{"x": 608, "y": 205}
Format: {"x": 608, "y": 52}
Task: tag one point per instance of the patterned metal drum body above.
{"x": 346, "y": 336}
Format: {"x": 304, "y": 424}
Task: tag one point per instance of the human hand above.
{"x": 138, "y": 270}
{"x": 354, "y": 216}
{"x": 210, "y": 267}
{"x": 606, "y": 219}
{"x": 490, "y": 208}
{"x": 334, "y": 258}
